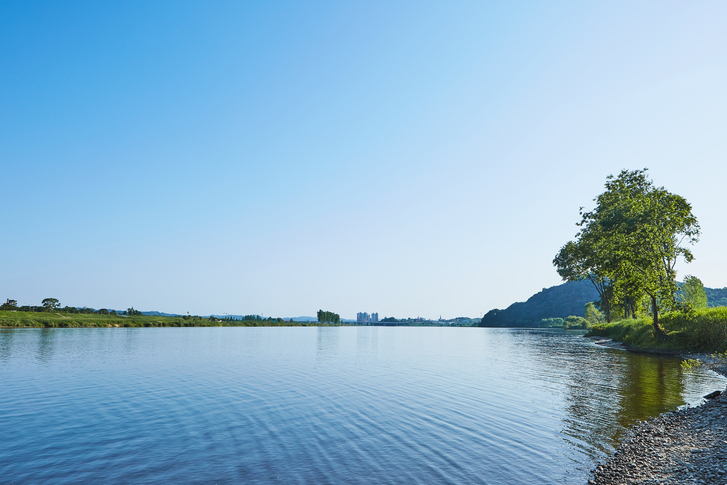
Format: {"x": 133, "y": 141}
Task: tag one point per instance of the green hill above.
{"x": 554, "y": 302}
{"x": 562, "y": 301}
{"x": 716, "y": 296}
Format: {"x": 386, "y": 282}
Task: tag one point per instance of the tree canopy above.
{"x": 628, "y": 246}
{"x": 693, "y": 292}
{"x": 329, "y": 317}
{"x": 51, "y": 303}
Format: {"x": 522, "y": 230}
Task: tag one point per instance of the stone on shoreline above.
{"x": 687, "y": 446}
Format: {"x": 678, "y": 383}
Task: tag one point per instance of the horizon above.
{"x": 407, "y": 158}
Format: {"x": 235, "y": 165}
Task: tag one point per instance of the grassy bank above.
{"x": 705, "y": 331}
{"x": 14, "y": 319}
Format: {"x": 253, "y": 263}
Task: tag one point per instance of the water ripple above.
{"x": 362, "y": 405}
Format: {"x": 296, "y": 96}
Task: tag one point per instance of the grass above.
{"x": 704, "y": 331}
{"x": 15, "y": 319}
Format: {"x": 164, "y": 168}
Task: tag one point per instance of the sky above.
{"x": 406, "y": 158}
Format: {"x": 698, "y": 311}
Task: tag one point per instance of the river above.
{"x": 322, "y": 405}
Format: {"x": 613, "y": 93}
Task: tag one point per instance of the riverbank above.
{"x": 704, "y": 330}
{"x": 17, "y": 319}
{"x": 687, "y": 446}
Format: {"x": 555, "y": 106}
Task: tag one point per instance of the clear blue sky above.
{"x": 408, "y": 158}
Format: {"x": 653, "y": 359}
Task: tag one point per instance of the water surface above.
{"x": 307, "y": 405}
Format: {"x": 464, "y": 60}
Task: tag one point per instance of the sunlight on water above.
{"x": 364, "y": 405}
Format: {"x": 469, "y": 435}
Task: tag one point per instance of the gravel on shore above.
{"x": 687, "y": 446}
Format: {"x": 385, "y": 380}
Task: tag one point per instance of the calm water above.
{"x": 361, "y": 405}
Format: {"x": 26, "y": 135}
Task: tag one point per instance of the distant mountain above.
{"x": 555, "y": 302}
{"x": 562, "y": 301}
{"x": 160, "y": 314}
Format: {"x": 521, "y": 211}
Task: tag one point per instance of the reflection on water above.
{"x": 46, "y": 340}
{"x": 609, "y": 390}
{"x": 327, "y": 342}
{"x": 618, "y": 390}
{"x": 367, "y": 340}
{"x": 361, "y": 405}
{"x": 6, "y": 344}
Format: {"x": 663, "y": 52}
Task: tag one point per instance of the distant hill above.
{"x": 716, "y": 296}
{"x": 562, "y": 301}
{"x": 555, "y": 302}
{"x": 159, "y": 314}
{"x": 304, "y": 319}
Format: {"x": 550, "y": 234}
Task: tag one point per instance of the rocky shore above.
{"x": 687, "y": 446}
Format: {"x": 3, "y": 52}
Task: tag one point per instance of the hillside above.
{"x": 557, "y": 301}
{"x": 716, "y": 296}
{"x": 562, "y": 301}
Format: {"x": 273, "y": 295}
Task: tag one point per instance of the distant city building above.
{"x": 363, "y": 317}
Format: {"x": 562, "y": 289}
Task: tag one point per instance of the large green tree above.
{"x": 51, "y": 304}
{"x": 631, "y": 242}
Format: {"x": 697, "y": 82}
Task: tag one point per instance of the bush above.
{"x": 575, "y": 322}
{"x": 551, "y": 322}
{"x": 703, "y": 330}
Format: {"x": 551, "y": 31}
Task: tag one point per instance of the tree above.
{"x": 51, "y": 304}
{"x": 593, "y": 316}
{"x": 328, "y": 317}
{"x": 580, "y": 260}
{"x": 632, "y": 241}
{"x": 693, "y": 292}
{"x": 575, "y": 322}
{"x": 9, "y": 305}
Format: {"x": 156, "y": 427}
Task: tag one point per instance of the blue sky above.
{"x": 408, "y": 158}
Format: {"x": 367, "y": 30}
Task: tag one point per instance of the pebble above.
{"x": 679, "y": 447}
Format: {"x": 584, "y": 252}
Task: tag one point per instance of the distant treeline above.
{"x": 328, "y": 317}
{"x": 250, "y": 318}
{"x": 19, "y": 319}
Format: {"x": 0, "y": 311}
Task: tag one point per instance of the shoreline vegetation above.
{"x": 80, "y": 318}
{"x": 703, "y": 330}
{"x": 628, "y": 247}
{"x": 23, "y": 319}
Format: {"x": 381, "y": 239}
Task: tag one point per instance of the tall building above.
{"x": 364, "y": 317}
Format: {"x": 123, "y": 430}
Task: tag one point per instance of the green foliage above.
{"x": 593, "y": 315}
{"x": 551, "y": 322}
{"x": 575, "y": 322}
{"x": 629, "y": 244}
{"x": 689, "y": 364}
{"x": 716, "y": 296}
{"x": 329, "y": 317}
{"x": 9, "y": 305}
{"x": 693, "y": 292}
{"x": 131, "y": 312}
{"x": 705, "y": 330}
{"x": 20, "y": 319}
{"x": 51, "y": 304}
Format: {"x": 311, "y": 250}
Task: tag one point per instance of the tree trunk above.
{"x": 655, "y": 310}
